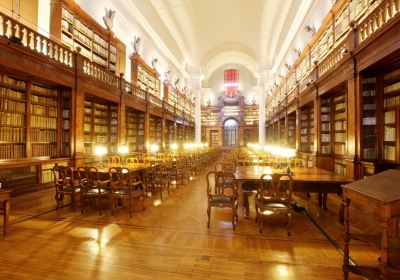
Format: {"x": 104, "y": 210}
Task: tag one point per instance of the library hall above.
{"x": 200, "y": 139}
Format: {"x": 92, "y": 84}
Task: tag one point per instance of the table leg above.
{"x": 246, "y": 204}
{"x": 6, "y": 205}
{"x": 346, "y": 229}
{"x": 383, "y": 260}
{"x": 322, "y": 198}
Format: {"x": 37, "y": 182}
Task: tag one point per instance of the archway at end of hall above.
{"x": 231, "y": 133}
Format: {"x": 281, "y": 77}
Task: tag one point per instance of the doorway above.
{"x": 231, "y": 133}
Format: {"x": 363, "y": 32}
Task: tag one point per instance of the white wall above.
{"x": 216, "y": 84}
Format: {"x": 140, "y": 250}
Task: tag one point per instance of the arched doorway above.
{"x": 231, "y": 133}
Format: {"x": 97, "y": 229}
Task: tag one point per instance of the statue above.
{"x": 176, "y": 82}
{"x": 166, "y": 75}
{"x": 154, "y": 62}
{"x": 136, "y": 44}
{"x": 109, "y": 19}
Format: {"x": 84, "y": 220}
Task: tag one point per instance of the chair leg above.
{"x": 82, "y": 204}
{"x": 73, "y": 201}
{"x": 100, "y": 205}
{"x": 143, "y": 208}
{"x": 261, "y": 224}
{"x": 288, "y": 223}
{"x": 208, "y": 214}
{"x": 57, "y": 201}
{"x": 130, "y": 206}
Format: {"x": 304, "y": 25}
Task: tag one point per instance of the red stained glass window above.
{"x": 231, "y": 82}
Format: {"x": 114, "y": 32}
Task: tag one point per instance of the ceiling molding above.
{"x": 128, "y": 9}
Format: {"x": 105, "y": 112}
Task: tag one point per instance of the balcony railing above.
{"x": 32, "y": 40}
{"x": 91, "y": 69}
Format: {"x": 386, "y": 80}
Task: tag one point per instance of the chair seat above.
{"x": 96, "y": 191}
{"x": 122, "y": 192}
{"x": 221, "y": 201}
{"x": 69, "y": 190}
{"x": 137, "y": 193}
{"x": 274, "y": 205}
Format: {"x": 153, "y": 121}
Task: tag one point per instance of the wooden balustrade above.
{"x": 32, "y": 40}
{"x": 96, "y": 72}
{"x": 154, "y": 100}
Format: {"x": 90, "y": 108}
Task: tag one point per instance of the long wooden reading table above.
{"x": 312, "y": 179}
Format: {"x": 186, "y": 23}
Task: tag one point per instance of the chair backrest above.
{"x": 222, "y": 184}
{"x": 276, "y": 186}
{"x": 226, "y": 166}
{"x": 60, "y": 177}
{"x": 88, "y": 177}
{"x": 132, "y": 160}
{"x": 119, "y": 177}
{"x": 114, "y": 160}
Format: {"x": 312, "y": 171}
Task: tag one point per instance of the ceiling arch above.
{"x": 229, "y": 53}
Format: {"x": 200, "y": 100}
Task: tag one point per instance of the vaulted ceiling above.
{"x": 254, "y": 33}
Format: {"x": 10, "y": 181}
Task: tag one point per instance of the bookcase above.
{"x": 307, "y": 129}
{"x": 291, "y": 130}
{"x": 276, "y": 133}
{"x": 251, "y": 115}
{"x": 155, "y": 131}
{"x": 391, "y": 105}
{"x": 75, "y": 28}
{"x": 369, "y": 141}
{"x": 325, "y": 123}
{"x": 282, "y": 134}
{"x": 100, "y": 126}
{"x": 134, "y": 130}
{"x": 13, "y": 114}
{"x": 43, "y": 121}
{"x": 188, "y": 133}
{"x": 169, "y": 134}
{"x": 143, "y": 76}
{"x": 179, "y": 133}
{"x": 214, "y": 138}
{"x": 339, "y": 103}
{"x": 247, "y": 136}
{"x": 34, "y": 120}
{"x": 380, "y": 103}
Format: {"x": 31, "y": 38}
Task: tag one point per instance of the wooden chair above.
{"x": 65, "y": 185}
{"x": 132, "y": 160}
{"x": 274, "y": 196}
{"x": 91, "y": 186}
{"x": 222, "y": 195}
{"x": 113, "y": 160}
{"x": 122, "y": 187}
{"x": 226, "y": 166}
{"x": 156, "y": 179}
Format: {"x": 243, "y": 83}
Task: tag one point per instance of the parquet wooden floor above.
{"x": 170, "y": 240}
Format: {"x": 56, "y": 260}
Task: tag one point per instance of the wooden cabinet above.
{"x": 169, "y": 134}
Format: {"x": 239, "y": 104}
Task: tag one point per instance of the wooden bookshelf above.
{"x": 169, "y": 134}
{"x": 391, "y": 105}
{"x": 214, "y": 138}
{"x": 43, "y": 121}
{"x": 247, "y": 136}
{"x": 100, "y": 126}
{"x": 13, "y": 117}
{"x": 75, "y": 28}
{"x": 282, "y": 131}
{"x": 276, "y": 133}
{"x": 325, "y": 125}
{"x": 143, "y": 76}
{"x": 369, "y": 130}
{"x": 134, "y": 130}
{"x": 155, "y": 131}
{"x": 250, "y": 115}
{"x": 307, "y": 129}
{"x": 65, "y": 102}
{"x": 179, "y": 133}
{"x": 339, "y": 123}
{"x": 291, "y": 130}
